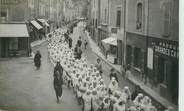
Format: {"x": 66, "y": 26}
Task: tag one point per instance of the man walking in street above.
{"x": 37, "y": 60}
{"x": 58, "y": 82}
{"x": 85, "y": 44}
{"x": 78, "y": 52}
{"x": 98, "y": 65}
{"x": 79, "y": 42}
{"x": 70, "y": 42}
{"x": 59, "y": 68}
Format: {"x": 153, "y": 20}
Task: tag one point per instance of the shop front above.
{"x": 135, "y": 51}
{"x": 111, "y": 49}
{"x": 102, "y": 34}
{"x": 45, "y": 25}
{"x": 14, "y": 40}
{"x": 35, "y": 31}
{"x": 163, "y": 57}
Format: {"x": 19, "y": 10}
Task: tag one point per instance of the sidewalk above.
{"x": 37, "y": 42}
{"x": 94, "y": 47}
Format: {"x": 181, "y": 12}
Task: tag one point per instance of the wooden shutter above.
{"x": 118, "y": 19}
{"x": 166, "y": 19}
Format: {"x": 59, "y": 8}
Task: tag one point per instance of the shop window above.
{"x": 13, "y": 44}
{"x": 139, "y": 16}
{"x": 166, "y": 19}
{"x": 137, "y": 57}
{"x": 118, "y": 19}
{"x": 3, "y": 14}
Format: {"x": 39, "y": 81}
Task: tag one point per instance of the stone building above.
{"x": 152, "y": 42}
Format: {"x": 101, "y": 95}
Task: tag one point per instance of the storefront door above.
{"x": 160, "y": 71}
{"x": 4, "y": 47}
{"x": 129, "y": 55}
{"x": 120, "y": 50}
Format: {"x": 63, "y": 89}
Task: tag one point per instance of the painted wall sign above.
{"x": 166, "y": 48}
{"x": 150, "y": 58}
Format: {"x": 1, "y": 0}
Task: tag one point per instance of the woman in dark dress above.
{"x": 58, "y": 82}
{"x": 59, "y": 68}
{"x": 37, "y": 60}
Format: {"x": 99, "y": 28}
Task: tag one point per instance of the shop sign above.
{"x": 166, "y": 48}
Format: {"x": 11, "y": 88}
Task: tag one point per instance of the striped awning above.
{"x": 112, "y": 40}
{"x": 44, "y": 22}
{"x": 36, "y": 24}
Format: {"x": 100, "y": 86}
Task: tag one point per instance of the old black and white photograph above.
{"x": 89, "y": 55}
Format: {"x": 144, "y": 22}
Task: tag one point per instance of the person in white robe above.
{"x": 87, "y": 101}
{"x": 113, "y": 86}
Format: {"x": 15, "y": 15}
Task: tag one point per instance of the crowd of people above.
{"x": 86, "y": 80}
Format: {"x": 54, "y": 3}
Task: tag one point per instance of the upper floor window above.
{"x": 118, "y": 18}
{"x": 139, "y": 16}
{"x": 105, "y": 15}
{"x": 166, "y": 19}
{"x": 3, "y": 14}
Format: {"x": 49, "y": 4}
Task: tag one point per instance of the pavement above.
{"x": 131, "y": 80}
{"x": 37, "y": 42}
{"x": 23, "y": 88}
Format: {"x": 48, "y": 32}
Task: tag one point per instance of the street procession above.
{"x": 90, "y": 55}
{"x": 87, "y": 83}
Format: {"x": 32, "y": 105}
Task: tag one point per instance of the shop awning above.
{"x": 44, "y": 22}
{"x": 36, "y": 24}
{"x": 13, "y": 30}
{"x": 111, "y": 41}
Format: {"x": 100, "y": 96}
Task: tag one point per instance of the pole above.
{"x": 125, "y": 39}
{"x": 147, "y": 39}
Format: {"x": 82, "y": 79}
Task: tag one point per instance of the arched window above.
{"x": 139, "y": 16}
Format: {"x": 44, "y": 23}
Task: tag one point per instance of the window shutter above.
{"x": 139, "y": 16}
{"x": 166, "y": 21}
{"x": 118, "y": 19}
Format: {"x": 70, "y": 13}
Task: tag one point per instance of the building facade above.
{"x": 147, "y": 38}
{"x": 152, "y": 42}
{"x": 14, "y": 37}
{"x": 163, "y": 46}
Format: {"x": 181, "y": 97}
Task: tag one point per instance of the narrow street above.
{"x": 28, "y": 89}
{"x": 91, "y": 57}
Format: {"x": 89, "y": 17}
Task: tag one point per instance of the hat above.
{"x": 140, "y": 95}
{"x": 113, "y": 78}
{"x": 94, "y": 92}
{"x": 88, "y": 92}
